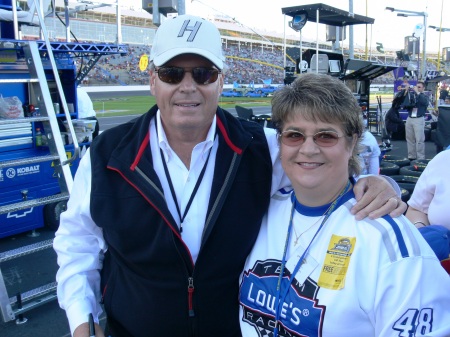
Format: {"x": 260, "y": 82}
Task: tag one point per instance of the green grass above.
{"x": 121, "y": 106}
{"x": 137, "y": 105}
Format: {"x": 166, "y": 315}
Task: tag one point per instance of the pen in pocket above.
{"x": 91, "y": 326}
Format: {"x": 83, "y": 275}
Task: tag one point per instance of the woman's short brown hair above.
{"x": 320, "y": 97}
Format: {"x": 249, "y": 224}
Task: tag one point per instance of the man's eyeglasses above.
{"x": 322, "y": 138}
{"x": 201, "y": 75}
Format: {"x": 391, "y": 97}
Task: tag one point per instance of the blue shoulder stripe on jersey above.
{"x": 398, "y": 235}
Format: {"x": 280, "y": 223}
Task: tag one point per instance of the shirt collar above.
{"x": 164, "y": 144}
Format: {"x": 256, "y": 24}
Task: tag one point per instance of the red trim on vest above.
{"x": 157, "y": 209}
{"x": 227, "y": 139}
{"x": 142, "y": 148}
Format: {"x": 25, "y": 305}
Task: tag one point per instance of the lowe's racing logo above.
{"x": 300, "y": 314}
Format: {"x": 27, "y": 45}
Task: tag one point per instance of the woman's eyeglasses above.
{"x": 201, "y": 75}
{"x": 322, "y": 138}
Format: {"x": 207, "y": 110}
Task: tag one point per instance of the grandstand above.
{"x": 252, "y": 55}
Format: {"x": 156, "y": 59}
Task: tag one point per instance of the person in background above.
{"x": 447, "y": 100}
{"x": 405, "y": 84}
{"x": 315, "y": 270}
{"x": 443, "y": 93}
{"x": 415, "y": 124}
{"x": 369, "y": 154}
{"x": 430, "y": 203}
{"x": 165, "y": 208}
{"x": 392, "y": 120}
{"x": 86, "y": 109}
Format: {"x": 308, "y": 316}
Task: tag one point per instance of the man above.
{"x": 447, "y": 100}
{"x": 443, "y": 94}
{"x": 166, "y": 208}
{"x": 415, "y": 124}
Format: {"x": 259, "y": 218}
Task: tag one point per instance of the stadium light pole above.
{"x": 440, "y": 30}
{"x": 181, "y": 7}
{"x": 405, "y": 13}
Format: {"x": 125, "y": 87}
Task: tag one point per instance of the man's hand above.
{"x": 376, "y": 197}
{"x": 83, "y": 331}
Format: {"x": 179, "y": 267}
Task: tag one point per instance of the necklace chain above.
{"x": 297, "y": 237}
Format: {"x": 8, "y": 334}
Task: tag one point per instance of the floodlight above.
{"x": 407, "y": 13}
{"x": 439, "y": 29}
{"x": 335, "y": 66}
{"x": 298, "y": 21}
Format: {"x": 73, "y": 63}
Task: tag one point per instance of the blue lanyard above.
{"x": 282, "y": 296}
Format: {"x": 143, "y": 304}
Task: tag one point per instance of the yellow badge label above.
{"x": 336, "y": 262}
{"x": 143, "y": 62}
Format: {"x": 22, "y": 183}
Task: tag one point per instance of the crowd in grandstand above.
{"x": 253, "y": 64}
{"x": 245, "y": 64}
{"x": 119, "y": 70}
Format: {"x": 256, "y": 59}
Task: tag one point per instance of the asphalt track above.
{"x": 34, "y": 270}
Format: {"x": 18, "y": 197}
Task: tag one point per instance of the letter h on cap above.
{"x": 192, "y": 29}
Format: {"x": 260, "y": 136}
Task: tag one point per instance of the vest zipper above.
{"x": 190, "y": 296}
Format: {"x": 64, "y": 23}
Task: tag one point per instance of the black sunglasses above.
{"x": 201, "y": 75}
{"x": 322, "y": 138}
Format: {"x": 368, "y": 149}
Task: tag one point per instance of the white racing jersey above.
{"x": 359, "y": 278}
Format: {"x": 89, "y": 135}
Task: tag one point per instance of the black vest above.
{"x": 150, "y": 285}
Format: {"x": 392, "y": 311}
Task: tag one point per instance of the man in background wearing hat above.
{"x": 165, "y": 208}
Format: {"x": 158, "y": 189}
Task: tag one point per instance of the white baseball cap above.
{"x": 187, "y": 34}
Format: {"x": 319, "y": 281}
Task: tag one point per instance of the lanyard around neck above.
{"x": 194, "y": 192}
{"x": 280, "y": 297}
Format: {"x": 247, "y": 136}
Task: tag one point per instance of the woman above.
{"x": 317, "y": 271}
{"x": 429, "y": 203}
